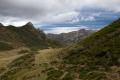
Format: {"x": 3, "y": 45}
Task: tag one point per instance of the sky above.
{"x": 60, "y": 16}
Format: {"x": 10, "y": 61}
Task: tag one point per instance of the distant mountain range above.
{"x": 27, "y": 36}
{"x": 97, "y": 57}
{"x": 71, "y": 37}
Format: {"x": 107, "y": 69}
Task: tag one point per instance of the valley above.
{"x": 96, "y": 57}
{"x": 59, "y": 39}
{"x": 42, "y": 60}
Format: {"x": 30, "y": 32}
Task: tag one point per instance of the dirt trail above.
{"x": 8, "y": 56}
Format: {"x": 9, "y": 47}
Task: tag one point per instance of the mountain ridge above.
{"x": 97, "y": 57}
{"x": 26, "y": 35}
{"x": 71, "y": 37}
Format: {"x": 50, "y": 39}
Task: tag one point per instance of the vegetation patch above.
{"x": 23, "y": 51}
{"x": 54, "y": 74}
{"x": 5, "y": 46}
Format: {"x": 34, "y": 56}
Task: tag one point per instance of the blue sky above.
{"x": 90, "y": 19}
{"x": 60, "y": 16}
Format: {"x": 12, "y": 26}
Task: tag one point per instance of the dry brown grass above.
{"x": 8, "y": 56}
{"x": 35, "y": 73}
{"x": 47, "y": 55}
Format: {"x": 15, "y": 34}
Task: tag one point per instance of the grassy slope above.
{"x": 32, "y": 66}
{"x": 98, "y": 54}
{"x": 27, "y": 36}
{"x": 5, "y": 46}
{"x": 30, "y": 37}
{"x": 47, "y": 56}
{"x": 6, "y": 57}
{"x": 96, "y": 58}
{"x": 102, "y": 43}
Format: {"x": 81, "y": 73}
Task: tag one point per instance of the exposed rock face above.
{"x": 28, "y": 25}
{"x": 71, "y": 37}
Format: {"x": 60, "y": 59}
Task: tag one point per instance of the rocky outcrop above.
{"x": 71, "y": 37}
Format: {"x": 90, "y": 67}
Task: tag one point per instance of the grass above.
{"x": 28, "y": 65}
{"x": 5, "y": 46}
{"x": 7, "y": 57}
{"x": 23, "y": 51}
{"x": 91, "y": 59}
{"x": 54, "y": 74}
{"x": 47, "y": 56}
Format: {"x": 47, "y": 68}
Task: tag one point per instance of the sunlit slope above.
{"x": 98, "y": 56}
{"x": 29, "y": 66}
{"x": 24, "y": 36}
{"x": 47, "y": 56}
{"x": 95, "y": 58}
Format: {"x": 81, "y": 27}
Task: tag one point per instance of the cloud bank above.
{"x": 58, "y": 30}
{"x": 18, "y": 12}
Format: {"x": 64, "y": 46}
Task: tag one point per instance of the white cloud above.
{"x": 11, "y": 20}
{"x": 89, "y": 18}
{"x": 63, "y": 17}
{"x": 58, "y": 30}
{"x": 52, "y": 11}
{"x": 96, "y": 14}
{"x": 111, "y": 5}
{"x": 75, "y": 20}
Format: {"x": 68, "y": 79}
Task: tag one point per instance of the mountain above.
{"x": 71, "y": 37}
{"x": 26, "y": 36}
{"x": 98, "y": 56}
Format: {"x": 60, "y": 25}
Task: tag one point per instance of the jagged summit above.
{"x": 25, "y": 36}
{"x": 71, "y": 37}
{"x": 28, "y": 25}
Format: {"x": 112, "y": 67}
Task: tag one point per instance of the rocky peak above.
{"x": 82, "y": 30}
{"x": 71, "y": 37}
{"x": 28, "y": 25}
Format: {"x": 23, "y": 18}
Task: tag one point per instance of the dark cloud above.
{"x": 7, "y": 8}
{"x": 18, "y": 12}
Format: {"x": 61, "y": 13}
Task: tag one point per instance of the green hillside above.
{"x": 98, "y": 53}
{"x": 102, "y": 43}
{"x": 5, "y": 46}
{"x": 95, "y": 58}
{"x": 26, "y": 36}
